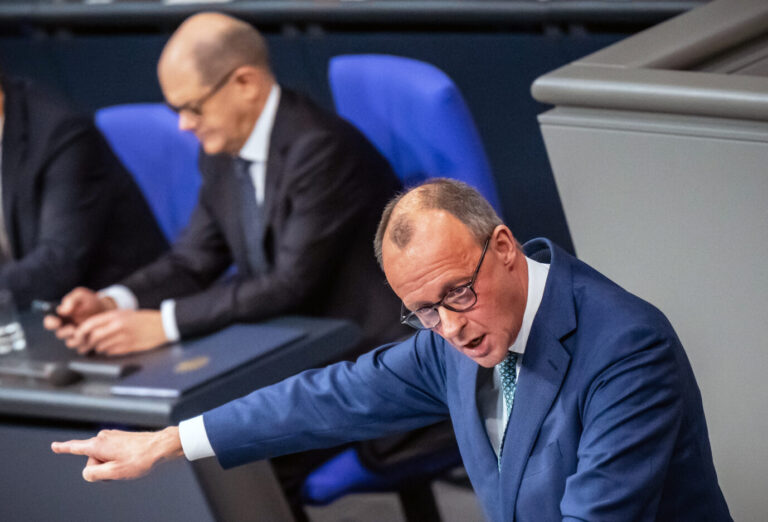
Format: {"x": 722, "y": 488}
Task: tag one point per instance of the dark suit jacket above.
{"x": 607, "y": 422}
{"x": 325, "y": 189}
{"x": 73, "y": 215}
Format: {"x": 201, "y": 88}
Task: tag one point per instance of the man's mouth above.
{"x": 474, "y": 343}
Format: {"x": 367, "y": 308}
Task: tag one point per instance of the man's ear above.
{"x": 250, "y": 80}
{"x": 505, "y": 245}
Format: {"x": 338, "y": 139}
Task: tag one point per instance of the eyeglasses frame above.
{"x": 195, "y": 107}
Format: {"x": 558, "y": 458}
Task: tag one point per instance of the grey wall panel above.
{"x": 659, "y": 147}
{"x": 675, "y": 209}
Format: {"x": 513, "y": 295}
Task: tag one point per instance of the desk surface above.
{"x": 90, "y": 400}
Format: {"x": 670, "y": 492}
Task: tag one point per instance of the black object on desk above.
{"x": 48, "y": 308}
{"x": 55, "y": 373}
{"x": 47, "y": 360}
{"x": 100, "y": 368}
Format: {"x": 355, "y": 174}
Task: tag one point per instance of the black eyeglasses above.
{"x": 458, "y": 299}
{"x": 195, "y": 107}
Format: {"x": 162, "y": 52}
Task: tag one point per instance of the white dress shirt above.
{"x": 255, "y": 150}
{"x": 194, "y": 439}
{"x": 490, "y": 399}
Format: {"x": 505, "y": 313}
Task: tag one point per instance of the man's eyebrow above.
{"x": 447, "y": 287}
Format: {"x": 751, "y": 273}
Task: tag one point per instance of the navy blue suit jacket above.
{"x": 607, "y": 422}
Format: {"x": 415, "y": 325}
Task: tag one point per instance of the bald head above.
{"x": 209, "y": 45}
{"x": 398, "y": 221}
{"x": 214, "y": 71}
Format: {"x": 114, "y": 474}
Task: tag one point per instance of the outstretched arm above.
{"x": 121, "y": 455}
{"x": 392, "y": 389}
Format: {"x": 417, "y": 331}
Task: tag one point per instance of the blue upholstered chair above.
{"x": 417, "y": 118}
{"x": 415, "y": 115}
{"x": 162, "y": 159}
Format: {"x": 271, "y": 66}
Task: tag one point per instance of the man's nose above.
{"x": 451, "y": 323}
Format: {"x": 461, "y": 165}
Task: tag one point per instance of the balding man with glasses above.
{"x": 291, "y": 196}
{"x": 571, "y": 399}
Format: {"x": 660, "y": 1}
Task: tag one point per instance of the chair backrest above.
{"x": 415, "y": 115}
{"x": 162, "y": 159}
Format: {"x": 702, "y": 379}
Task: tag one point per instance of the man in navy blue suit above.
{"x": 571, "y": 399}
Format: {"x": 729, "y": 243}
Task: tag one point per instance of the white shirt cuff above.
{"x": 194, "y": 439}
{"x": 121, "y": 295}
{"x": 168, "y": 316}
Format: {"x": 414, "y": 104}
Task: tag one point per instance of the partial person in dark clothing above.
{"x": 71, "y": 214}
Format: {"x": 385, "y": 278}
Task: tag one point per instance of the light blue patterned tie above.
{"x": 507, "y": 371}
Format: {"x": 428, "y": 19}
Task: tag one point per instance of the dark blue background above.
{"x": 494, "y": 70}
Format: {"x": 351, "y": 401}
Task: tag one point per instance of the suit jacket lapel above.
{"x": 278, "y": 141}
{"x": 274, "y": 171}
{"x": 476, "y": 448}
{"x": 543, "y": 370}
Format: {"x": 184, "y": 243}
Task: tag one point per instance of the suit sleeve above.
{"x": 195, "y": 261}
{"x": 631, "y": 417}
{"x": 392, "y": 389}
{"x": 327, "y": 194}
{"x": 74, "y": 203}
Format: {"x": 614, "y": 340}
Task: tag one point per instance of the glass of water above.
{"x": 11, "y": 333}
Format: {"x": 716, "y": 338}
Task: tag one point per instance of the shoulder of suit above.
{"x": 301, "y": 112}
{"x": 47, "y": 116}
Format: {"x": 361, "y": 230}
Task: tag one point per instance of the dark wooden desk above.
{"x": 35, "y": 484}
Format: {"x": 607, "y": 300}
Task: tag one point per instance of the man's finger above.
{"x": 70, "y": 301}
{"x": 51, "y": 322}
{"x": 95, "y": 471}
{"x": 104, "y": 334}
{"x": 77, "y": 341}
{"x": 114, "y": 345}
{"x": 65, "y": 332}
{"x": 73, "y": 447}
{"x": 93, "y": 461}
{"x": 96, "y": 321}
{"x": 81, "y": 338}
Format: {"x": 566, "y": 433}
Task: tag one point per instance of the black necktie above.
{"x": 251, "y": 217}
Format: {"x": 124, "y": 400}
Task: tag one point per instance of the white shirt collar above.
{"x": 490, "y": 397}
{"x": 256, "y": 146}
{"x": 537, "y": 280}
